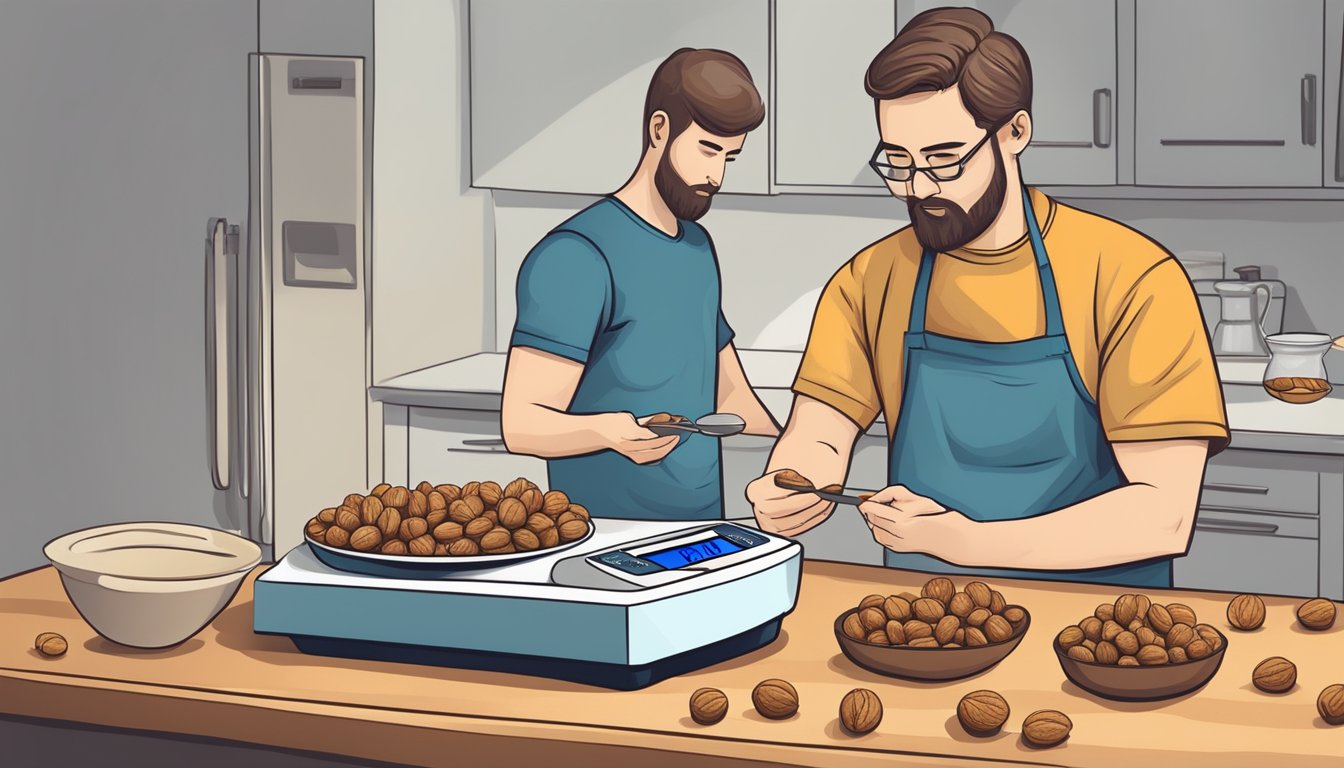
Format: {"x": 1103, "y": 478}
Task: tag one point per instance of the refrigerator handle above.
{"x": 217, "y": 346}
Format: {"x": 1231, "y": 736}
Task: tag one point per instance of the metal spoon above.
{"x": 712, "y": 425}
{"x": 720, "y": 424}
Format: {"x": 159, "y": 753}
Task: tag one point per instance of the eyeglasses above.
{"x": 948, "y": 172}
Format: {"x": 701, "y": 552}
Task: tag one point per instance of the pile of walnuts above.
{"x": 1133, "y": 631}
{"x": 940, "y": 617}
{"x": 479, "y": 518}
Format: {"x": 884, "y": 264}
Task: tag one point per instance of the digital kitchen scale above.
{"x": 639, "y": 602}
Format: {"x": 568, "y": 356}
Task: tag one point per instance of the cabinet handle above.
{"x": 495, "y": 444}
{"x": 1074, "y": 144}
{"x": 1101, "y": 117}
{"x": 1235, "y": 526}
{"x": 1235, "y": 488}
{"x": 1222, "y": 142}
{"x": 1309, "y": 110}
{"x": 1339, "y": 128}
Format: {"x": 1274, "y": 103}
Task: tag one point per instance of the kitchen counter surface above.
{"x": 228, "y": 683}
{"x": 1258, "y": 421}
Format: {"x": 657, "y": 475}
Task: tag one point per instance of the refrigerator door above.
{"x": 121, "y": 135}
{"x": 311, "y": 366}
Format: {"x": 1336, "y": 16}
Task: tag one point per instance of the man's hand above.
{"x": 784, "y": 511}
{"x": 903, "y": 521}
{"x": 621, "y": 433}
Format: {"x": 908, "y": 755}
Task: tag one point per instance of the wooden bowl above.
{"x": 1141, "y": 683}
{"x": 926, "y": 663}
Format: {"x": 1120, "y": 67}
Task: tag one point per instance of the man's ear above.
{"x": 1016, "y": 133}
{"x": 659, "y": 128}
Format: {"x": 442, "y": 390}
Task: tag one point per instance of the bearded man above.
{"x": 1049, "y": 391}
{"x": 619, "y": 314}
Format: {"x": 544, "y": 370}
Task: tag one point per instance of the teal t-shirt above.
{"x": 641, "y": 311}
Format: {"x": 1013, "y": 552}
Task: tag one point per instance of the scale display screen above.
{"x": 688, "y": 554}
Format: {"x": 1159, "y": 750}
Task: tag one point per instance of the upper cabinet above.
{"x": 825, "y": 126}
{"x": 557, "y": 88}
{"x": 1072, "y": 47}
{"x": 1229, "y": 93}
{"x": 1127, "y": 94}
{"x": 1332, "y": 90}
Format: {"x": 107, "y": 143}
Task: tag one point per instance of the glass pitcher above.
{"x": 1296, "y": 371}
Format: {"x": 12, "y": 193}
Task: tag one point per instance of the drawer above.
{"x": 1228, "y": 520}
{"x": 457, "y": 446}
{"x": 1260, "y": 480}
{"x": 1237, "y": 558}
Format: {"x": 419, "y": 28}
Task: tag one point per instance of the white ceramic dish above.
{"x": 151, "y": 585}
{"x": 414, "y": 567}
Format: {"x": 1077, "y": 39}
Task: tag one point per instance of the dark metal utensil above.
{"x": 713, "y": 425}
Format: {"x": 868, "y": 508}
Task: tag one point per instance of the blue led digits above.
{"x": 680, "y": 557}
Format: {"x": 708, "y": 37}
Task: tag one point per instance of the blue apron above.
{"x": 1003, "y": 431}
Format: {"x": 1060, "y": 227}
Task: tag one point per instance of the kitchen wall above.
{"x": 776, "y": 252}
{"x": 433, "y": 237}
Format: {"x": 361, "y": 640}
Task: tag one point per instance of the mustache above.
{"x": 934, "y": 202}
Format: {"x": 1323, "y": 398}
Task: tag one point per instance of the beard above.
{"x": 681, "y": 198}
{"x": 957, "y": 226}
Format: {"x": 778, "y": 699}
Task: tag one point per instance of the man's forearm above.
{"x": 1131, "y": 523}
{"x": 547, "y": 433}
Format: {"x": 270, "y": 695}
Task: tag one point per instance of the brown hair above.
{"x": 943, "y": 47}
{"x": 708, "y": 86}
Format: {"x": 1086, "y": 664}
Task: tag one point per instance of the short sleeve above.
{"x": 725, "y": 332}
{"x": 1158, "y": 378}
{"x": 564, "y": 292}
{"x": 837, "y": 365}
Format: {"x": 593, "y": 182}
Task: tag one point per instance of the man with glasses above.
{"x": 1046, "y": 378}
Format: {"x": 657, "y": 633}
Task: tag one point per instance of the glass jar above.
{"x": 1296, "y": 370}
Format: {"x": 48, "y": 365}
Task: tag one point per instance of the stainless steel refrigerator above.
{"x": 291, "y": 431}
{"x": 184, "y": 275}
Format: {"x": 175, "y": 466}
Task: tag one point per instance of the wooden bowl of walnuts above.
{"x": 412, "y": 533}
{"x": 1136, "y": 650}
{"x": 940, "y": 634}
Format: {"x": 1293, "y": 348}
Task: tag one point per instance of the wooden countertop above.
{"x": 229, "y": 683}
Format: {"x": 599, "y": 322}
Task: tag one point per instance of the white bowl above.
{"x": 151, "y": 585}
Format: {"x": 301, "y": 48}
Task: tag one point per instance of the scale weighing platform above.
{"x": 638, "y": 602}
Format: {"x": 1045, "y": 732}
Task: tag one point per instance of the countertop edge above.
{"x": 490, "y": 401}
{"x": 408, "y": 737}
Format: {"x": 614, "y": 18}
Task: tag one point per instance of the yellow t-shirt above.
{"x": 1130, "y": 315}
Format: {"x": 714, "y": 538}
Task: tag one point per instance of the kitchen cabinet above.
{"x": 1333, "y": 91}
{"x": 1073, "y": 83}
{"x": 1228, "y": 93}
{"x": 1268, "y": 523}
{"x": 458, "y": 446}
{"x": 742, "y": 459}
{"x": 825, "y": 128}
{"x": 558, "y": 89}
